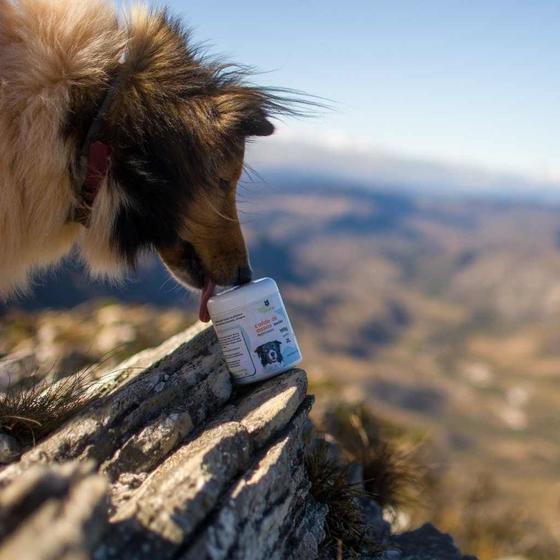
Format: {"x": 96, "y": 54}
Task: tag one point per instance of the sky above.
{"x": 460, "y": 87}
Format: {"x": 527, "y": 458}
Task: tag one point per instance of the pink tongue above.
{"x": 207, "y": 293}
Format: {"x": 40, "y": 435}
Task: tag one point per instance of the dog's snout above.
{"x": 244, "y": 274}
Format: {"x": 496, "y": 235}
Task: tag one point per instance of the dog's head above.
{"x": 176, "y": 127}
{"x": 269, "y": 353}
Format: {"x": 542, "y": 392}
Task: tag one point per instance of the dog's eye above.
{"x": 224, "y": 183}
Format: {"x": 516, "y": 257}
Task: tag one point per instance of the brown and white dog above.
{"x": 116, "y": 137}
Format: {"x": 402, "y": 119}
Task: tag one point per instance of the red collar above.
{"x": 98, "y": 162}
{"x": 94, "y": 159}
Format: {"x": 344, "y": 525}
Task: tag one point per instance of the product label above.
{"x": 256, "y": 338}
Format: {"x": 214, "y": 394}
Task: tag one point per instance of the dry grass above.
{"x": 400, "y": 474}
{"x": 346, "y": 529}
{"x": 486, "y": 523}
{"x": 393, "y": 474}
{"x": 29, "y": 414}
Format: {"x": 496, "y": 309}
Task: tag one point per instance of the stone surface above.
{"x": 185, "y": 374}
{"x": 16, "y": 368}
{"x": 143, "y": 450}
{"x": 260, "y": 512}
{"x": 171, "y": 448}
{"x": 427, "y": 543}
{"x": 172, "y": 501}
{"x": 10, "y": 449}
{"x": 54, "y": 513}
{"x": 378, "y": 529}
{"x": 269, "y": 407}
{"x": 169, "y": 461}
{"x": 167, "y": 508}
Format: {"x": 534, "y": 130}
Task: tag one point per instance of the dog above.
{"x": 118, "y": 136}
{"x": 269, "y": 353}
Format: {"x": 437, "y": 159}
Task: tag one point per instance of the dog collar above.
{"x": 97, "y": 166}
{"x": 94, "y": 160}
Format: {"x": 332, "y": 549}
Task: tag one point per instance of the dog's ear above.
{"x": 256, "y": 124}
{"x": 242, "y": 110}
{"x": 164, "y": 76}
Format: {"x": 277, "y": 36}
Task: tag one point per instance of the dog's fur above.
{"x": 176, "y": 126}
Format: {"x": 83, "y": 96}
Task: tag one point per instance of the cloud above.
{"x": 334, "y": 153}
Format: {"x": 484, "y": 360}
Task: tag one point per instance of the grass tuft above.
{"x": 393, "y": 475}
{"x": 29, "y": 414}
{"x": 346, "y": 529}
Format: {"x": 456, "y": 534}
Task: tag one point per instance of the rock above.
{"x": 16, "y": 368}
{"x": 180, "y": 454}
{"x": 427, "y": 543}
{"x": 10, "y": 449}
{"x": 392, "y": 554}
{"x": 270, "y": 406}
{"x": 378, "y": 530}
{"x": 53, "y": 513}
{"x": 185, "y": 374}
{"x": 260, "y": 517}
{"x": 169, "y": 505}
{"x": 143, "y": 451}
{"x": 184, "y": 489}
{"x": 169, "y": 461}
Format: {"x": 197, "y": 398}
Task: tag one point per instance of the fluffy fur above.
{"x": 176, "y": 126}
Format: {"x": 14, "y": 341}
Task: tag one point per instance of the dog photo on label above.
{"x": 270, "y": 353}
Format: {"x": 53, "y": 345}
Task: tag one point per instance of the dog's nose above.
{"x": 244, "y": 274}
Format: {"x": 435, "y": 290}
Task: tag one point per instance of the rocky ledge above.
{"x": 169, "y": 461}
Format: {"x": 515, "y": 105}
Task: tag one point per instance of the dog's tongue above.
{"x": 207, "y": 293}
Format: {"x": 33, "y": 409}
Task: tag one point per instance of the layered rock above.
{"x": 170, "y": 461}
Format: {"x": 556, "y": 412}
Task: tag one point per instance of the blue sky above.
{"x": 452, "y": 83}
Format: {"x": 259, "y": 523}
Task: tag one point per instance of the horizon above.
{"x": 372, "y": 169}
{"x": 464, "y": 93}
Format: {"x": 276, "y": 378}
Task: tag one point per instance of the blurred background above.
{"x": 414, "y": 231}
